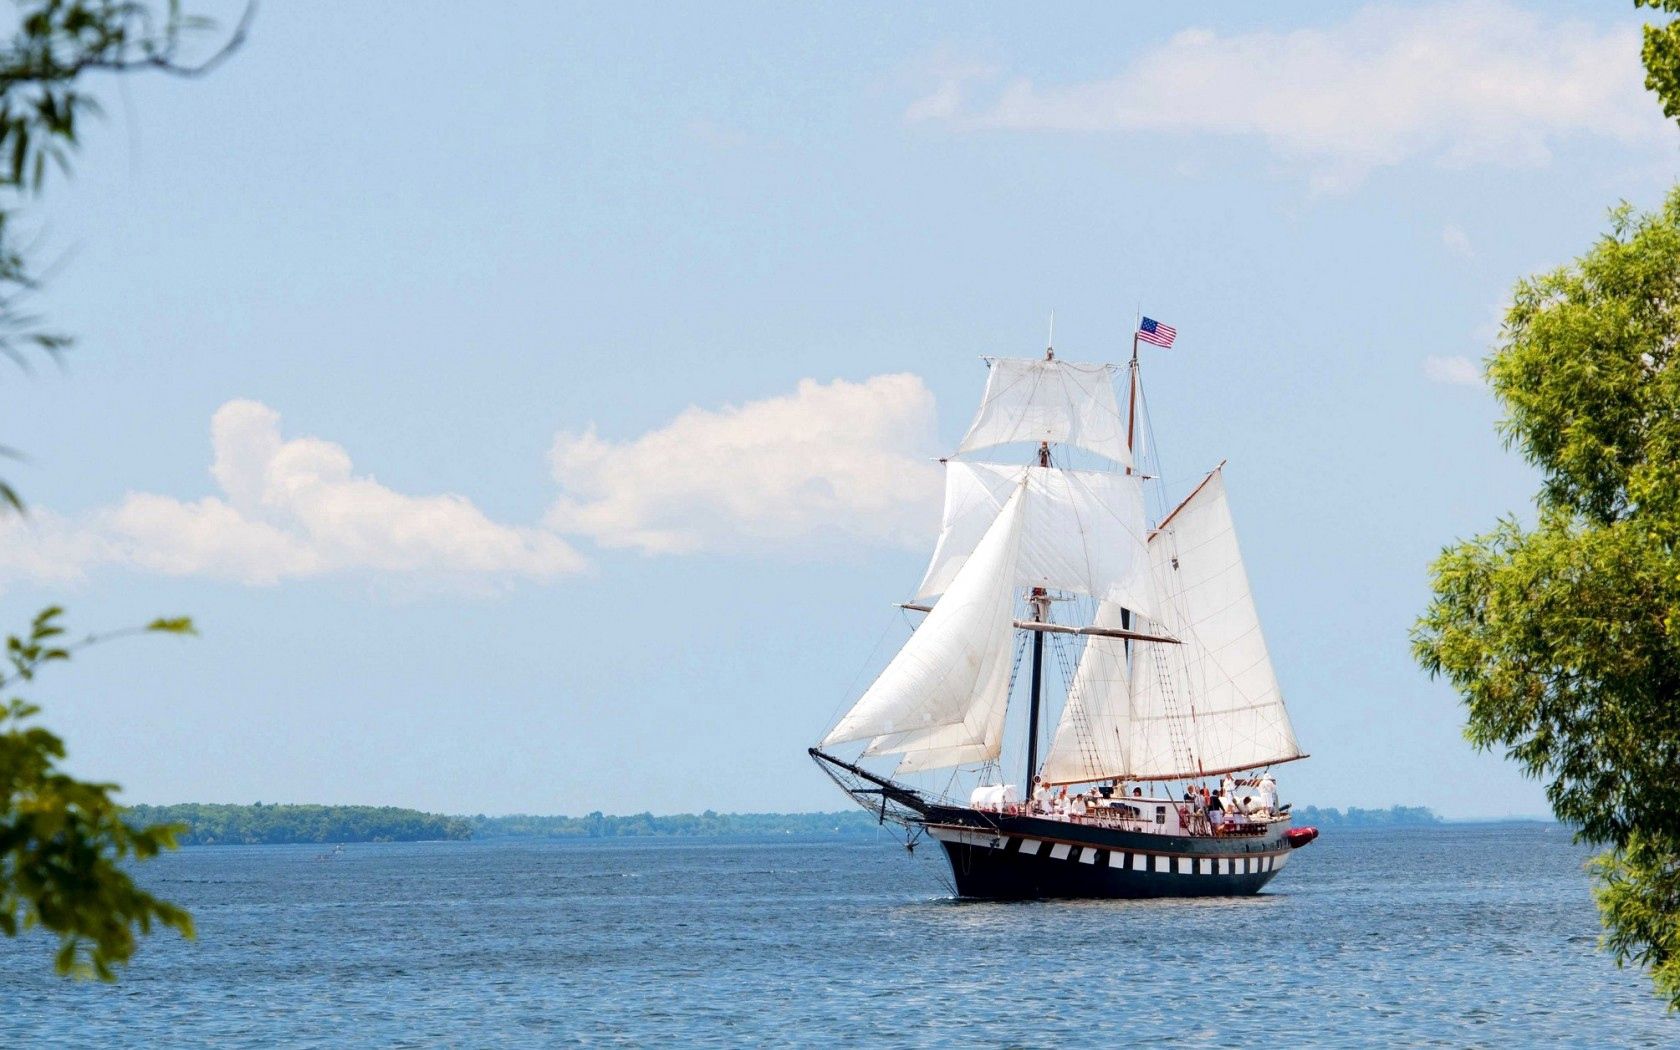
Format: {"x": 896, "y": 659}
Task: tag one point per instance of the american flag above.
{"x": 1153, "y": 331}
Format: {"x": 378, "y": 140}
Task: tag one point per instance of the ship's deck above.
{"x": 1144, "y": 816}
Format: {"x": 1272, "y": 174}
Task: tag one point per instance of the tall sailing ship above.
{"x": 1156, "y": 781}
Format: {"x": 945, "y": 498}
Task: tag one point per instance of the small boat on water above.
{"x": 1157, "y": 778}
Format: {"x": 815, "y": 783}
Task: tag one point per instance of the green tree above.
{"x": 1661, "y": 54}
{"x": 63, "y": 841}
{"x": 1564, "y": 636}
{"x": 44, "y": 103}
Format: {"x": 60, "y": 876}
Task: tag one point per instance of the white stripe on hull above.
{"x": 1165, "y": 863}
{"x": 970, "y": 838}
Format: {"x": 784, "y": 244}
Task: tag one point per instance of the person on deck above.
{"x": 1216, "y": 812}
{"x": 1195, "y": 812}
{"x": 1268, "y": 793}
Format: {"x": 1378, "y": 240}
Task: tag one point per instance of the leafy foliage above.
{"x": 63, "y": 841}
{"x": 44, "y": 105}
{"x": 1639, "y": 898}
{"x": 1564, "y": 638}
{"x": 1661, "y": 54}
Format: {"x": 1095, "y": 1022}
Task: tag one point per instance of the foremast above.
{"x": 1039, "y": 600}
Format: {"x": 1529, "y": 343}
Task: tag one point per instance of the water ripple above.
{"x": 1448, "y": 937}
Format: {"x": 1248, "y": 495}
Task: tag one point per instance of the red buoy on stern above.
{"x": 1298, "y": 837}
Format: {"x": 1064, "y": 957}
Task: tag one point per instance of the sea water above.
{"x": 1453, "y": 936}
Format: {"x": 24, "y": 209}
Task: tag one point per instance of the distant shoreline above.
{"x": 208, "y": 824}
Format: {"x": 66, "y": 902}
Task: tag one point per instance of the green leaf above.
{"x": 1563, "y": 637}
{"x": 66, "y": 849}
{"x": 173, "y": 625}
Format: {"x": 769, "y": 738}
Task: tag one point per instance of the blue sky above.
{"x": 576, "y": 372}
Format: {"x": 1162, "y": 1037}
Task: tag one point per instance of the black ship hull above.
{"x": 1012, "y": 855}
{"x": 1003, "y": 857}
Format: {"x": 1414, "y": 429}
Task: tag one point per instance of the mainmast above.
{"x": 1131, "y": 427}
{"x": 1131, "y": 402}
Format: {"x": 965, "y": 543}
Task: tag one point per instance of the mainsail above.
{"x": 942, "y": 699}
{"x": 1208, "y": 705}
{"x": 1093, "y": 738}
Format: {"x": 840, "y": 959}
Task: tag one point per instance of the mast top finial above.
{"x": 1050, "y": 341}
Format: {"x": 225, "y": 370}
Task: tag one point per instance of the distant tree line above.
{"x": 1354, "y": 817}
{"x": 696, "y": 825}
{"x": 228, "y": 825}
{"x": 261, "y": 824}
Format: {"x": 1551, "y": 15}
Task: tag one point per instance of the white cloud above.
{"x": 1460, "y": 82}
{"x": 286, "y": 509}
{"x": 1457, "y": 241}
{"x": 831, "y": 461}
{"x": 1454, "y": 371}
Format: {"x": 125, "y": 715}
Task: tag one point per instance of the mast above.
{"x": 1131, "y": 400}
{"x": 1131, "y": 426}
{"x": 1040, "y": 599}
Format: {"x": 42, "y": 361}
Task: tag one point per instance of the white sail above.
{"x": 944, "y": 746}
{"x": 1083, "y": 530}
{"x": 1209, "y": 704}
{"x": 1212, "y": 703}
{"x": 1050, "y": 400}
{"x": 1093, "y": 739}
{"x": 941, "y": 700}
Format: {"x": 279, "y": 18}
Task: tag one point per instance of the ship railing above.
{"x": 1091, "y": 819}
{"x": 1193, "y": 825}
